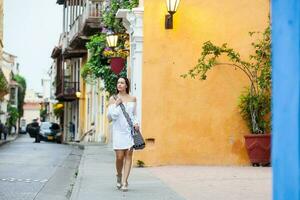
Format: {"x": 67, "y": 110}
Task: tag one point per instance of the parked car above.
{"x": 50, "y": 131}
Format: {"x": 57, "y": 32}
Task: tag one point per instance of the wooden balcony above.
{"x": 81, "y": 19}
{"x": 69, "y": 52}
{"x": 66, "y": 90}
{"x": 91, "y": 18}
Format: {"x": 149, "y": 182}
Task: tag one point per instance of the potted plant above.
{"x": 254, "y": 103}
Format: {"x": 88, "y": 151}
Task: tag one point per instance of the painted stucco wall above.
{"x": 31, "y": 111}
{"x": 82, "y": 103}
{"x": 192, "y": 121}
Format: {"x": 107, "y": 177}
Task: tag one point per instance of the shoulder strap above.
{"x": 126, "y": 115}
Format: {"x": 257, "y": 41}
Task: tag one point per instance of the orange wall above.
{"x": 192, "y": 121}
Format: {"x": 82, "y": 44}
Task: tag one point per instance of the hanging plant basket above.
{"x": 117, "y": 64}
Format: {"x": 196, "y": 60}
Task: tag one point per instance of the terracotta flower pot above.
{"x": 258, "y": 148}
{"x": 117, "y": 64}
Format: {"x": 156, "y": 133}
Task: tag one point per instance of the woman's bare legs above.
{"x": 120, "y": 154}
{"x": 127, "y": 166}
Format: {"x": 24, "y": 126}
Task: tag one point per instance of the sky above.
{"x": 31, "y": 30}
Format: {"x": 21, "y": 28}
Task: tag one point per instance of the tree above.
{"x": 255, "y": 102}
{"x": 13, "y": 116}
{"x": 3, "y": 85}
{"x": 21, "y": 93}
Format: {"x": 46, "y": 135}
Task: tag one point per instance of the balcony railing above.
{"x": 64, "y": 42}
{"x": 92, "y": 10}
{"x": 75, "y": 29}
{"x": 70, "y": 88}
{"x": 66, "y": 91}
{"x": 86, "y": 21}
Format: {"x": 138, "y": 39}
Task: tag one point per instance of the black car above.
{"x": 50, "y": 131}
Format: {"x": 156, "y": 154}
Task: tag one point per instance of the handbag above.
{"x": 138, "y": 140}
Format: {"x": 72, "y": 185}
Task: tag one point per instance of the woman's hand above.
{"x": 118, "y": 101}
{"x": 136, "y": 127}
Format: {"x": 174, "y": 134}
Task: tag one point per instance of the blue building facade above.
{"x": 286, "y": 91}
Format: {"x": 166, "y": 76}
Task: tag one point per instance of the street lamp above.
{"x": 112, "y": 40}
{"x": 172, "y": 6}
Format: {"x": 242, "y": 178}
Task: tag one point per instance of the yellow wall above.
{"x": 82, "y": 103}
{"x": 107, "y": 127}
{"x": 192, "y": 121}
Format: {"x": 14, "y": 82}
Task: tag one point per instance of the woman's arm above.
{"x": 113, "y": 110}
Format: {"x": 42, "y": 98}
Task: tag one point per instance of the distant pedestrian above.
{"x": 5, "y": 130}
{"x": 36, "y": 130}
{"x": 1, "y": 129}
{"x": 72, "y": 130}
{"x": 122, "y": 139}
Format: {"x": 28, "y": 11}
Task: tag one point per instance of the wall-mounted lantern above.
{"x": 112, "y": 40}
{"x": 78, "y": 94}
{"x": 172, "y": 6}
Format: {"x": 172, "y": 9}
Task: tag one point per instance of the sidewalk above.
{"x": 96, "y": 180}
{"x": 217, "y": 183}
{"x": 9, "y": 138}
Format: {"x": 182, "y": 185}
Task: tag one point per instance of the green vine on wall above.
{"x": 43, "y": 114}
{"x": 21, "y": 93}
{"x": 98, "y": 63}
{"x": 3, "y": 85}
{"x": 58, "y": 109}
{"x": 110, "y": 22}
{"x": 13, "y": 115}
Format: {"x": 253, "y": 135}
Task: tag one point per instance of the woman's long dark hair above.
{"x": 127, "y": 84}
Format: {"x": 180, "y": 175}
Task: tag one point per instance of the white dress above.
{"x": 121, "y": 132}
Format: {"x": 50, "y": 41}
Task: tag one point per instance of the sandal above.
{"x": 119, "y": 180}
{"x": 124, "y": 187}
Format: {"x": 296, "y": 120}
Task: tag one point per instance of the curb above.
{"x": 80, "y": 146}
{"x": 3, "y": 142}
{"x": 83, "y": 145}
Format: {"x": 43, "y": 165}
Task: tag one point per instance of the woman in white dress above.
{"x": 122, "y": 139}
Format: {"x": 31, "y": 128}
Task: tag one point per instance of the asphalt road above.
{"x": 37, "y": 170}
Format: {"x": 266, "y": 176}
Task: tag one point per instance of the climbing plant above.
{"x": 3, "y": 85}
{"x": 255, "y": 101}
{"x": 58, "y": 109}
{"x": 13, "y": 115}
{"x": 110, "y": 22}
{"x": 43, "y": 114}
{"x": 21, "y": 93}
{"x": 98, "y": 64}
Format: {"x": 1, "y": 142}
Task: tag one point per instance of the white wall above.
{"x": 30, "y": 115}
{"x": 3, "y": 108}
{"x": 133, "y": 21}
{"x": 46, "y": 84}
